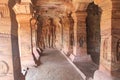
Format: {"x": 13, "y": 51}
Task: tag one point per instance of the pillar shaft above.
{"x": 110, "y": 44}
{"x": 80, "y": 46}
{"x": 23, "y": 15}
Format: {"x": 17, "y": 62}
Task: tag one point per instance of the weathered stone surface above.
{"x": 93, "y": 32}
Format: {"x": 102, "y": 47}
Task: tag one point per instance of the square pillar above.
{"x": 80, "y": 46}
{"x": 109, "y": 68}
{"x": 24, "y": 35}
{"x": 23, "y": 15}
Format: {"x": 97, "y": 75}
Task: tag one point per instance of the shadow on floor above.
{"x": 88, "y": 68}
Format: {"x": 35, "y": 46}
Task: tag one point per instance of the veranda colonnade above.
{"x": 109, "y": 60}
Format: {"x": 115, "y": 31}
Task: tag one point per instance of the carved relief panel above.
{"x": 4, "y": 68}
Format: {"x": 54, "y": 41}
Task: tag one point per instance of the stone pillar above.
{"x": 33, "y": 26}
{"x": 109, "y": 68}
{"x": 65, "y": 33}
{"x": 10, "y": 68}
{"x": 58, "y": 25}
{"x": 80, "y": 46}
{"x": 23, "y": 15}
{"x": 115, "y": 52}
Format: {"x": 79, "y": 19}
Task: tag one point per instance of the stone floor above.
{"x": 54, "y": 66}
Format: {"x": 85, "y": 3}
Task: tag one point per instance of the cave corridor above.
{"x": 59, "y": 40}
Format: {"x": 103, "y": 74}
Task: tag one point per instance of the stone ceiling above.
{"x": 62, "y": 5}
{"x": 55, "y": 8}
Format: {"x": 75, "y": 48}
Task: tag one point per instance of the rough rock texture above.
{"x": 93, "y": 31}
{"x": 88, "y": 68}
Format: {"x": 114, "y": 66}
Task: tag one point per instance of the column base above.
{"x": 100, "y": 75}
{"x": 27, "y": 61}
{"x": 35, "y": 52}
{"x": 78, "y": 58}
{"x": 11, "y": 77}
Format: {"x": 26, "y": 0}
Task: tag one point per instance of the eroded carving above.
{"x": 81, "y": 41}
{"x": 4, "y": 68}
{"x": 105, "y": 48}
{"x": 48, "y": 32}
{"x": 5, "y": 35}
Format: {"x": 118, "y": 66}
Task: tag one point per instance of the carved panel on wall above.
{"x": 4, "y": 10}
{"x": 118, "y": 50}
{"x": 48, "y": 33}
{"x": 105, "y": 48}
{"x": 5, "y": 36}
{"x": 81, "y": 41}
{"x": 4, "y": 68}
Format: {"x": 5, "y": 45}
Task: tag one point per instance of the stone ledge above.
{"x": 79, "y": 71}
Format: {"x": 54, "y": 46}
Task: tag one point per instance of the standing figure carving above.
{"x": 52, "y": 33}
{"x": 105, "y": 48}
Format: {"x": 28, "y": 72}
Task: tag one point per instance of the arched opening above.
{"x": 93, "y": 31}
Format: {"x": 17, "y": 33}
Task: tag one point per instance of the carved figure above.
{"x": 118, "y": 50}
{"x": 81, "y": 41}
{"x": 105, "y": 47}
{"x": 4, "y": 68}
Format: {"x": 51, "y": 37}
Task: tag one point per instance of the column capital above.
{"x": 79, "y": 16}
{"x": 23, "y": 8}
{"x": 23, "y": 11}
{"x": 105, "y": 5}
{"x": 23, "y": 18}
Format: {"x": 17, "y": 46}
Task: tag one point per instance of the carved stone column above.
{"x": 110, "y": 41}
{"x": 33, "y": 25}
{"x": 23, "y": 15}
{"x": 10, "y": 67}
{"x": 80, "y": 46}
{"x": 65, "y": 33}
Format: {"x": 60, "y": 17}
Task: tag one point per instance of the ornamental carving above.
{"x": 4, "y": 68}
